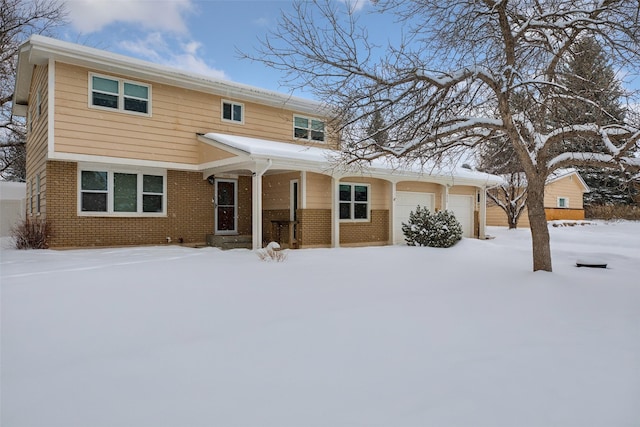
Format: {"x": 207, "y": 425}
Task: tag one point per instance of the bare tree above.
{"x": 466, "y": 72}
{"x": 18, "y": 20}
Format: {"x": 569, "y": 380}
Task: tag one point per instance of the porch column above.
{"x": 335, "y": 212}
{"x": 303, "y": 190}
{"x": 392, "y": 213}
{"x": 445, "y": 197}
{"x": 256, "y": 203}
{"x": 482, "y": 209}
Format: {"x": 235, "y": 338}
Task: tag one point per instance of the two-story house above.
{"x": 126, "y": 152}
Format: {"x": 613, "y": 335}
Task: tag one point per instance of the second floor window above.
{"x": 309, "y": 129}
{"x": 232, "y": 111}
{"x": 119, "y": 94}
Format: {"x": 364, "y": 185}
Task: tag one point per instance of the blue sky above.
{"x": 201, "y": 36}
{"x": 195, "y": 35}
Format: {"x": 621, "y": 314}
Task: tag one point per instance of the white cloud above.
{"x": 182, "y": 55}
{"x": 89, "y": 16}
{"x": 355, "y": 5}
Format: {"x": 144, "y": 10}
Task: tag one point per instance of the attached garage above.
{"x": 462, "y": 208}
{"x": 406, "y": 202}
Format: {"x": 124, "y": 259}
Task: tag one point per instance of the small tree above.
{"x": 439, "y": 230}
{"x": 498, "y": 157}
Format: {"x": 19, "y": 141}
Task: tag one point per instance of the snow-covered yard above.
{"x": 384, "y": 336}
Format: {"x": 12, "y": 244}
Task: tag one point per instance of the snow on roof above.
{"x": 13, "y": 190}
{"x": 325, "y": 157}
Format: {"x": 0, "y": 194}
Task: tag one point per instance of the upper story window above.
{"x": 354, "y": 201}
{"x": 110, "y": 192}
{"x": 308, "y": 128}
{"x": 120, "y": 95}
{"x": 233, "y": 112}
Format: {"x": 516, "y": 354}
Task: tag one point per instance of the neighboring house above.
{"x": 563, "y": 199}
{"x": 12, "y": 205}
{"x": 125, "y": 152}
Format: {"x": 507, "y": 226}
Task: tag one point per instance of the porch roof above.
{"x": 327, "y": 161}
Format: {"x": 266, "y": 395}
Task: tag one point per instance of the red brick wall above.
{"x": 189, "y": 213}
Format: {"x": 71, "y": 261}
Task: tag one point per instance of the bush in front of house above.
{"x": 438, "y": 230}
{"x": 30, "y": 234}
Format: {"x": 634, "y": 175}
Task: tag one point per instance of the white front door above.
{"x": 406, "y": 202}
{"x": 226, "y": 206}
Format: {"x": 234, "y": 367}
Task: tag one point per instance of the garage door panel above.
{"x": 462, "y": 208}
{"x": 406, "y": 202}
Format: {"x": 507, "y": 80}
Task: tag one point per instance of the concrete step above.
{"x": 230, "y": 241}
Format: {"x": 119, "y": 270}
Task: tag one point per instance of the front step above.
{"x": 230, "y": 242}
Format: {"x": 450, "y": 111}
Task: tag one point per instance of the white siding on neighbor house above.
{"x": 12, "y": 205}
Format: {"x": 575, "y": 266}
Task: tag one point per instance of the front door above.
{"x": 226, "y": 206}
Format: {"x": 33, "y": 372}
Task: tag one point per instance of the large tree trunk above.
{"x": 538, "y": 223}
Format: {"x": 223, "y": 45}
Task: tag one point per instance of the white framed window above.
{"x": 563, "y": 202}
{"x": 116, "y": 192}
{"x": 38, "y": 194}
{"x": 308, "y": 128}
{"x": 111, "y": 93}
{"x": 354, "y": 201}
{"x": 39, "y": 103}
{"x": 232, "y": 112}
{"x": 30, "y": 188}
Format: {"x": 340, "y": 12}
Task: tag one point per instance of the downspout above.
{"x": 256, "y": 197}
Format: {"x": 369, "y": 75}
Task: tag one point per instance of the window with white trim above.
{"x": 563, "y": 202}
{"x": 308, "y": 128}
{"x": 120, "y": 95}
{"x": 39, "y": 102}
{"x": 354, "y": 201}
{"x": 121, "y": 193}
{"x": 38, "y": 194}
{"x": 232, "y": 112}
{"x": 30, "y": 187}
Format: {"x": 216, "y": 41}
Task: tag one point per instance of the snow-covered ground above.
{"x": 383, "y": 336}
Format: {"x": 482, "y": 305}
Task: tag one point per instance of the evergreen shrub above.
{"x": 437, "y": 230}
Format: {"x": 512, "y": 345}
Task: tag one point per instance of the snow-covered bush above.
{"x": 272, "y": 253}
{"x": 439, "y": 230}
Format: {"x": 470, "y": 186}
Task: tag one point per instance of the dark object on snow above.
{"x": 591, "y": 263}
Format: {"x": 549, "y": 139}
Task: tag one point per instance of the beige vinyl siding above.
{"x": 569, "y": 187}
{"x": 169, "y": 134}
{"x": 497, "y": 217}
{"x": 318, "y": 191}
{"x": 37, "y": 141}
{"x": 276, "y": 190}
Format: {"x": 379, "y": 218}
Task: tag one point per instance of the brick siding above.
{"x": 189, "y": 213}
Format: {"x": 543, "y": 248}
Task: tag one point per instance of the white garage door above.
{"x": 406, "y": 202}
{"x": 462, "y": 208}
